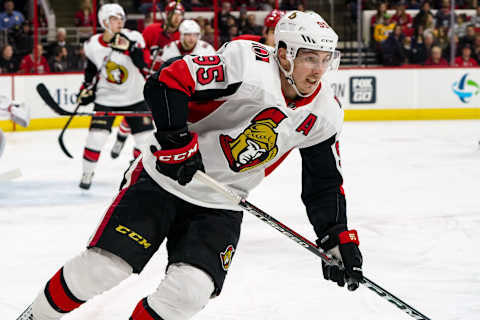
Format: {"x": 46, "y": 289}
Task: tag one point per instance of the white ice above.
{"x": 412, "y": 192}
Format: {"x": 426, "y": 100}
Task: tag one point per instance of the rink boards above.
{"x": 366, "y": 94}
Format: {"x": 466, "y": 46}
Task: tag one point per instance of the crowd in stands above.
{"x": 17, "y": 54}
{"x": 425, "y": 38}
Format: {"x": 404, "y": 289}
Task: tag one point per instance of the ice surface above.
{"x": 412, "y": 192}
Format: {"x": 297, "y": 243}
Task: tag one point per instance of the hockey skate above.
{"x": 117, "y": 147}
{"x": 27, "y": 314}
{"x": 86, "y": 181}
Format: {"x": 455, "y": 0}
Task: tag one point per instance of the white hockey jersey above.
{"x": 173, "y": 49}
{"x": 120, "y": 83}
{"x": 250, "y": 128}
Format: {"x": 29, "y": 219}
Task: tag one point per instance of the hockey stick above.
{"x": 310, "y": 246}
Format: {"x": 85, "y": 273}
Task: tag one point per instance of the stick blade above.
{"x": 48, "y": 99}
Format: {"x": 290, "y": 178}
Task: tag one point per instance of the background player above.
{"x": 189, "y": 42}
{"x": 247, "y": 107}
{"x": 157, "y": 36}
{"x": 116, "y": 60}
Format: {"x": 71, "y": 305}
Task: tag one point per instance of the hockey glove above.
{"x": 179, "y": 158}
{"x": 120, "y": 42}
{"x": 342, "y": 244}
{"x": 86, "y": 95}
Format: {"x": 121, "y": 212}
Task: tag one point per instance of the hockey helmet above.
{"x": 110, "y": 10}
{"x": 296, "y": 30}
{"x": 272, "y": 18}
{"x": 189, "y": 26}
{"x": 174, "y": 7}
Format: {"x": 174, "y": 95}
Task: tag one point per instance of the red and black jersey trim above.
{"x": 59, "y": 295}
{"x": 211, "y": 94}
{"x": 144, "y": 312}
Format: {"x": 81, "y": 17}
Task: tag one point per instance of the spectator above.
{"x": 61, "y": 41}
{"x": 147, "y": 6}
{"x": 268, "y": 5}
{"x": 429, "y": 26}
{"x": 429, "y": 41}
{"x": 79, "y": 62}
{"x": 466, "y": 60}
{"x": 10, "y": 18}
{"x": 476, "y": 49}
{"x": 85, "y": 16}
{"x": 443, "y": 15}
{"x": 380, "y": 17}
{"x": 421, "y": 18}
{"x": 392, "y": 48}
{"x": 407, "y": 48}
{"x": 436, "y": 58}
{"x": 252, "y": 27}
{"x": 447, "y": 52}
{"x": 242, "y": 19}
{"x": 8, "y": 63}
{"x": 27, "y": 64}
{"x": 419, "y": 51}
{"x": 443, "y": 39}
{"x": 476, "y": 19}
{"x": 58, "y": 62}
{"x": 460, "y": 26}
{"x": 209, "y": 35}
{"x": 23, "y": 40}
{"x": 402, "y": 18}
{"x": 223, "y": 16}
{"x": 469, "y": 38}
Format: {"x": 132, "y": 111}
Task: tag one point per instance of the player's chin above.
{"x": 308, "y": 88}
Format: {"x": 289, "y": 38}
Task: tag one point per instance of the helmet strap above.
{"x": 289, "y": 76}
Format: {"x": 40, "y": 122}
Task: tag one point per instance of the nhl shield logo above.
{"x": 226, "y": 257}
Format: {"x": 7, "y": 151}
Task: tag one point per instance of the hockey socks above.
{"x": 144, "y": 312}
{"x": 59, "y": 296}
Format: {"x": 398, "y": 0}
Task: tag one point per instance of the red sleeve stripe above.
{"x": 144, "y": 312}
{"x": 349, "y": 236}
{"x": 91, "y": 155}
{"x": 134, "y": 177}
{"x": 59, "y": 296}
{"x": 177, "y": 76}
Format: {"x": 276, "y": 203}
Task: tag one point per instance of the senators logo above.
{"x": 226, "y": 257}
{"x": 116, "y": 73}
{"x": 256, "y": 145}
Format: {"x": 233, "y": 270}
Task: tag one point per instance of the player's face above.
{"x": 176, "y": 20}
{"x": 269, "y": 37}
{"x": 189, "y": 41}
{"x": 309, "y": 67}
{"x": 115, "y": 24}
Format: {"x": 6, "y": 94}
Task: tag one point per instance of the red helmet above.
{"x": 272, "y": 18}
{"x": 174, "y": 7}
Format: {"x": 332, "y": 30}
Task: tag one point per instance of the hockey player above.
{"x": 116, "y": 60}
{"x": 189, "y": 42}
{"x": 244, "y": 109}
{"x": 157, "y": 36}
{"x": 269, "y": 24}
{"x": 15, "y": 111}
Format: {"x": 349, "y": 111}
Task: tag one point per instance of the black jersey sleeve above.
{"x": 322, "y": 191}
{"x": 90, "y": 72}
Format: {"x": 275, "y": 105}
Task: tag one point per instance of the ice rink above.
{"x": 413, "y": 194}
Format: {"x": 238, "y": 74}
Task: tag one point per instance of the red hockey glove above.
{"x": 343, "y": 245}
{"x": 179, "y": 158}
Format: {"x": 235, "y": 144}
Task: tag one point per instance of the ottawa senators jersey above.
{"x": 245, "y": 125}
{"x": 120, "y": 83}
{"x": 175, "y": 49}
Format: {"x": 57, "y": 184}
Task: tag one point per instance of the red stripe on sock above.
{"x": 91, "y": 155}
{"x": 140, "y": 313}
{"x": 59, "y": 296}
{"x": 134, "y": 177}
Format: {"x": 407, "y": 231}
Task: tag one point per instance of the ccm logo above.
{"x": 178, "y": 157}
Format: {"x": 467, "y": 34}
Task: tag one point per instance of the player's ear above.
{"x": 282, "y": 58}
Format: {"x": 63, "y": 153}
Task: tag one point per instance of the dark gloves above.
{"x": 179, "y": 157}
{"x": 343, "y": 245}
{"x": 86, "y": 95}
